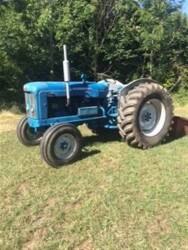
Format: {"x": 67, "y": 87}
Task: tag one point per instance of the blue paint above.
{"x": 92, "y": 103}
{"x": 88, "y": 89}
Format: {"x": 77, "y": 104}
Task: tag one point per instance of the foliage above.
{"x": 181, "y": 97}
{"x": 124, "y": 39}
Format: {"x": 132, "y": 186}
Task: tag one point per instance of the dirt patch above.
{"x": 85, "y": 245}
{"x": 73, "y": 205}
{"x": 160, "y": 226}
{"x": 35, "y": 240}
{"x": 23, "y": 189}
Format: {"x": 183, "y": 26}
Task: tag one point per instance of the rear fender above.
{"x": 134, "y": 84}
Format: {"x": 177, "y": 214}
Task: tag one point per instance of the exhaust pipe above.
{"x": 66, "y": 68}
{"x": 66, "y": 71}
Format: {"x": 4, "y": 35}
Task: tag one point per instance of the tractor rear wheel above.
{"x": 27, "y": 135}
{"x": 60, "y": 145}
{"x": 145, "y": 115}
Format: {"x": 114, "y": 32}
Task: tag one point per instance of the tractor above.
{"x": 142, "y": 112}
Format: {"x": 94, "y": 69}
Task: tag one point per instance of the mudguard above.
{"x": 134, "y": 84}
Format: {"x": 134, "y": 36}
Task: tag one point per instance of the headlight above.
{"x": 30, "y": 104}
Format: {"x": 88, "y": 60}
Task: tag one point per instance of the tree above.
{"x": 124, "y": 39}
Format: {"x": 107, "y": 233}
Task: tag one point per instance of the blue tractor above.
{"x": 141, "y": 111}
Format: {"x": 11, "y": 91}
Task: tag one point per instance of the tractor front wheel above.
{"x": 60, "y": 145}
{"x": 27, "y": 135}
{"x": 145, "y": 115}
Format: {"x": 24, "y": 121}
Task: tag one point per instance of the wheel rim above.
{"x": 152, "y": 117}
{"x": 65, "y": 146}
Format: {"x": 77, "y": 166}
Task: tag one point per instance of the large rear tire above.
{"x": 145, "y": 115}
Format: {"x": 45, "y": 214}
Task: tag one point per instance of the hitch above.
{"x": 179, "y": 127}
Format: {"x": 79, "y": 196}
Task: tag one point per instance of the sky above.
{"x": 185, "y": 6}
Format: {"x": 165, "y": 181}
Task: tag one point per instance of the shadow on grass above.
{"x": 172, "y": 139}
{"x": 91, "y": 140}
{"x": 84, "y": 155}
{"x": 108, "y": 137}
{"x": 87, "y": 153}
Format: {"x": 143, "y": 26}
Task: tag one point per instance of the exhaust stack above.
{"x": 66, "y": 68}
{"x": 66, "y": 71}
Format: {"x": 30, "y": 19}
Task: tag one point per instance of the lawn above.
{"x": 114, "y": 197}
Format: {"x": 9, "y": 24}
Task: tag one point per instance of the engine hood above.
{"x": 35, "y": 87}
{"x": 91, "y": 89}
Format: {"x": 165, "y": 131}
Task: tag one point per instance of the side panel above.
{"x": 93, "y": 113}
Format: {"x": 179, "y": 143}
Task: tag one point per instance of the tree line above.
{"x": 123, "y": 39}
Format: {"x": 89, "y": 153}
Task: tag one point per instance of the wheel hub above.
{"x": 148, "y": 117}
{"x": 32, "y": 134}
{"x": 65, "y": 146}
{"x": 152, "y": 117}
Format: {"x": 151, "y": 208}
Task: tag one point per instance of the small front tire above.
{"x": 27, "y": 135}
{"x": 61, "y": 144}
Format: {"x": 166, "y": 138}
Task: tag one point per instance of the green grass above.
{"x": 181, "y": 97}
{"x": 114, "y": 197}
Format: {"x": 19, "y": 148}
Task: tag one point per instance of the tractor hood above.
{"x": 88, "y": 89}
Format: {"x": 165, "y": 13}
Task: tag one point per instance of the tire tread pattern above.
{"x": 127, "y": 112}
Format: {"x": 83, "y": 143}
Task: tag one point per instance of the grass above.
{"x": 114, "y": 197}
